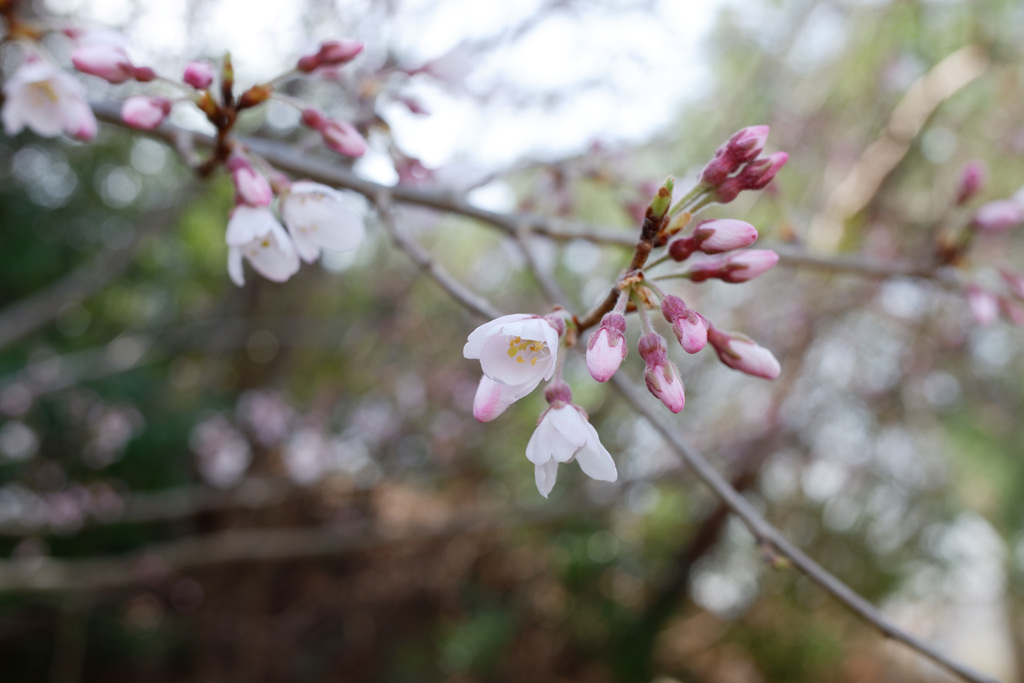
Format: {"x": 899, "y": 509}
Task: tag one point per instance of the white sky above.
{"x": 646, "y": 64}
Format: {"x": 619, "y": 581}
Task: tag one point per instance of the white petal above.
{"x": 595, "y": 460}
{"x": 235, "y": 266}
{"x": 248, "y": 223}
{"x": 548, "y": 443}
{"x": 545, "y": 476}
{"x": 477, "y": 337}
{"x": 573, "y": 427}
{"x": 307, "y": 248}
{"x": 270, "y": 260}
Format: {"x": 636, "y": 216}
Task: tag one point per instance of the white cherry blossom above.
{"x": 47, "y": 100}
{"x": 516, "y": 351}
{"x": 564, "y": 434}
{"x": 319, "y": 217}
{"x": 254, "y": 233}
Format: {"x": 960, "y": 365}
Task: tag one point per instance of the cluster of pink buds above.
{"x": 738, "y": 166}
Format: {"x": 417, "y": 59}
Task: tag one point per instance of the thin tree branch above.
{"x": 768, "y": 537}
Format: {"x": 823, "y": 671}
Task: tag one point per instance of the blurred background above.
{"x": 200, "y": 482}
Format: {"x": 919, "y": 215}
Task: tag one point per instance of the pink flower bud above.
{"x": 972, "y": 177}
{"x": 740, "y": 353}
{"x": 199, "y": 75}
{"x": 757, "y": 174}
{"x": 737, "y": 266}
{"x": 742, "y": 147}
{"x": 340, "y": 136}
{"x": 661, "y": 374}
{"x": 716, "y": 236}
{"x": 251, "y": 186}
{"x": 336, "y": 52}
{"x": 606, "y": 348}
{"x": 106, "y": 60}
{"x": 145, "y": 113}
{"x": 998, "y": 216}
{"x": 983, "y": 305}
{"x": 689, "y": 326}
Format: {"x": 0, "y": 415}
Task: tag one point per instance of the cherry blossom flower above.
{"x": 741, "y": 353}
{"x": 564, "y": 434}
{"x": 606, "y": 348}
{"x": 319, "y": 217}
{"x": 47, "y": 100}
{"x": 515, "y": 351}
{"x": 253, "y": 232}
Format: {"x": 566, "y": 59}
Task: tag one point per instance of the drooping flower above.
{"x": 660, "y": 373}
{"x": 741, "y": 353}
{"x": 565, "y": 434}
{"x": 47, "y": 100}
{"x": 319, "y": 217}
{"x": 516, "y": 351}
{"x": 254, "y": 232}
{"x": 607, "y": 348}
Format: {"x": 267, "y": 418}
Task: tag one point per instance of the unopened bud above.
{"x": 998, "y": 216}
{"x": 252, "y": 188}
{"x": 717, "y": 236}
{"x": 758, "y": 173}
{"x": 336, "y": 52}
{"x": 340, "y": 136}
{"x": 663, "y": 199}
{"x": 109, "y": 61}
{"x": 660, "y": 373}
{"x": 741, "y": 353}
{"x": 737, "y": 266}
{"x": 257, "y": 94}
{"x": 607, "y": 348}
{"x": 689, "y": 326}
{"x": 199, "y": 75}
{"x": 145, "y": 113}
{"x": 972, "y": 177}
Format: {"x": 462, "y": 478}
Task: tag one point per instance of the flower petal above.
{"x": 545, "y": 476}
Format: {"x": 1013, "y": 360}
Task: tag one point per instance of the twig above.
{"x": 767, "y": 535}
{"x": 473, "y": 302}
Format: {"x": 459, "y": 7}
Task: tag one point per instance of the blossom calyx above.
{"x": 689, "y": 326}
{"x": 607, "y": 348}
{"x": 741, "y": 353}
{"x": 660, "y": 374}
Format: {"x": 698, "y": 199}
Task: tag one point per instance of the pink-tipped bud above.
{"x": 145, "y": 113}
{"x": 606, "y": 348}
{"x": 744, "y": 146}
{"x": 737, "y": 266}
{"x": 660, "y": 374}
{"x": 741, "y": 353}
{"x": 998, "y": 216}
{"x": 252, "y": 188}
{"x": 340, "y": 136}
{"x": 983, "y": 305}
{"x": 972, "y": 177}
{"x": 727, "y": 234}
{"x": 109, "y": 61}
{"x": 758, "y": 173}
{"x": 337, "y": 52}
{"x": 689, "y": 326}
{"x": 143, "y": 74}
{"x": 199, "y": 75}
